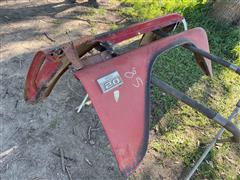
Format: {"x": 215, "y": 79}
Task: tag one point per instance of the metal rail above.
{"x": 216, "y": 59}
{"x": 211, "y": 145}
{"x": 211, "y": 57}
{"x": 199, "y": 107}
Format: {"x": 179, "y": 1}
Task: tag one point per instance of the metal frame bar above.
{"x": 211, "y": 145}
{"x": 203, "y": 53}
{"x": 199, "y": 107}
{"x": 215, "y": 59}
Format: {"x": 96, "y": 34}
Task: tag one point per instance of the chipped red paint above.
{"x": 141, "y": 28}
{"x": 30, "y": 85}
{"x": 41, "y": 71}
{"x": 46, "y": 68}
{"x": 126, "y": 121}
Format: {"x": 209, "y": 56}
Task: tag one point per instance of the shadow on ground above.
{"x": 27, "y": 12}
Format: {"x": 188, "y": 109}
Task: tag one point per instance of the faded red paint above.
{"x": 126, "y": 121}
{"x": 40, "y": 78}
{"x": 141, "y": 28}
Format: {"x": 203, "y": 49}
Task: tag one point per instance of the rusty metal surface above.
{"x": 48, "y": 65}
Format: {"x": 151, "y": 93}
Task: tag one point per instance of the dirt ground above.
{"x": 31, "y": 135}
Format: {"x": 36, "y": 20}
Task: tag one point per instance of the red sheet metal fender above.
{"x": 124, "y": 110}
{"x": 140, "y": 28}
{"x": 48, "y": 65}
